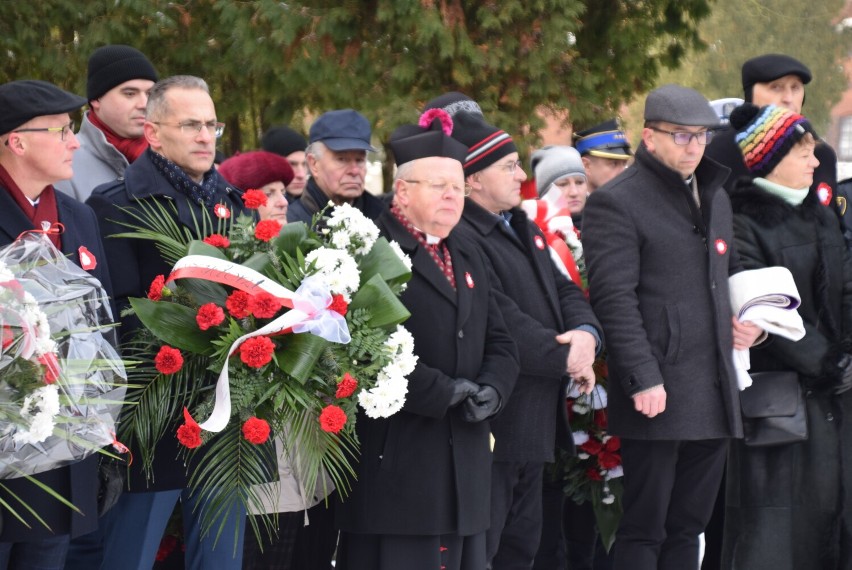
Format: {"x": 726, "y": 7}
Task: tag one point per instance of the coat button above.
{"x": 381, "y": 457}
{"x": 829, "y": 417}
{"x": 451, "y": 441}
{"x": 461, "y": 334}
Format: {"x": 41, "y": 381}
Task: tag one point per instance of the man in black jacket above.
{"x": 337, "y": 161}
{"x": 421, "y": 498}
{"x": 177, "y": 170}
{"x": 37, "y": 143}
{"x": 539, "y": 303}
{"x": 659, "y": 247}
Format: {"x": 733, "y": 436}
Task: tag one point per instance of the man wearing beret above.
{"x": 176, "y": 174}
{"x": 659, "y": 247}
{"x": 421, "y": 496}
{"x": 110, "y": 136}
{"x": 337, "y": 161}
{"x": 37, "y": 143}
{"x": 291, "y": 145}
{"x": 539, "y": 303}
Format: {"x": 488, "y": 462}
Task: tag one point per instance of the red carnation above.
{"x": 155, "y": 291}
{"x": 238, "y": 304}
{"x": 332, "y": 419}
{"x": 217, "y": 240}
{"x": 267, "y": 229}
{"x": 346, "y": 386}
{"x": 256, "y": 430}
{"x": 167, "y": 546}
{"x": 593, "y": 474}
{"x": 339, "y": 305}
{"x": 592, "y": 446}
{"x": 8, "y": 337}
{"x": 254, "y": 199}
{"x": 599, "y": 419}
{"x": 51, "y": 367}
{"x": 209, "y": 315}
{"x": 189, "y": 433}
{"x": 612, "y": 444}
{"x": 168, "y": 360}
{"x": 257, "y": 351}
{"x": 609, "y": 460}
{"x": 263, "y": 305}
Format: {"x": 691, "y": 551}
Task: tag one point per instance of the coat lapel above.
{"x": 13, "y": 222}
{"x": 541, "y": 261}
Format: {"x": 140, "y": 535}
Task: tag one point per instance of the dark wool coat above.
{"x": 313, "y": 200}
{"x": 424, "y": 470}
{"x": 78, "y": 482}
{"x": 783, "y": 502}
{"x": 136, "y": 262}
{"x": 658, "y": 280}
{"x": 539, "y": 303}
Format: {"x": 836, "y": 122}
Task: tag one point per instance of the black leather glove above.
{"x": 845, "y": 381}
{"x": 482, "y": 405}
{"x": 462, "y": 388}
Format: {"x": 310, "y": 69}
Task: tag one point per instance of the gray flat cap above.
{"x": 680, "y": 106}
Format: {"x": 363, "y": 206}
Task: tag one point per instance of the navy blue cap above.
{"x": 344, "y": 129}
{"x": 26, "y": 99}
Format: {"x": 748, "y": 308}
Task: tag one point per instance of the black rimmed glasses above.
{"x": 193, "y": 128}
{"x": 440, "y": 186}
{"x": 683, "y": 138}
{"x": 63, "y": 131}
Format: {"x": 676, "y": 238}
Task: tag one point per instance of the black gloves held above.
{"x": 481, "y": 405}
{"x": 462, "y": 388}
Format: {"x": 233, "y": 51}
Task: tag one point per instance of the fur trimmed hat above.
{"x": 110, "y": 66}
{"x": 256, "y": 169}
{"x": 765, "y": 135}
{"x": 486, "y": 143}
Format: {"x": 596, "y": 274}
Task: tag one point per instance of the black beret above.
{"x": 769, "y": 67}
{"x": 282, "y": 140}
{"x": 427, "y": 139}
{"x": 26, "y": 99}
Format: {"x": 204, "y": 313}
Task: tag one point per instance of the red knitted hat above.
{"x": 256, "y": 169}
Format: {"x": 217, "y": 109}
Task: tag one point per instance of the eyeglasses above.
{"x": 63, "y": 131}
{"x": 194, "y": 127}
{"x": 683, "y": 138}
{"x": 441, "y": 186}
{"x": 511, "y": 167}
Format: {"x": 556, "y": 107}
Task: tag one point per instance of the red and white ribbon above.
{"x": 308, "y": 313}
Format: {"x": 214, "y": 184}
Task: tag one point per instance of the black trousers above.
{"x": 515, "y": 532}
{"x": 669, "y": 491}
{"x": 401, "y": 552}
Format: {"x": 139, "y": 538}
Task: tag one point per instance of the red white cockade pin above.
{"x": 88, "y": 261}
{"x": 468, "y": 279}
{"x": 539, "y": 243}
{"x": 721, "y": 246}
{"x": 824, "y": 193}
{"x": 222, "y": 211}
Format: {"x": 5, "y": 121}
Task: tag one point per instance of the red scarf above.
{"x": 45, "y": 211}
{"x": 130, "y": 148}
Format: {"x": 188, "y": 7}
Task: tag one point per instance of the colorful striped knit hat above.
{"x": 765, "y": 135}
{"x": 486, "y": 144}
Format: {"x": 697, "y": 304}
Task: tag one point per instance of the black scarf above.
{"x": 204, "y": 193}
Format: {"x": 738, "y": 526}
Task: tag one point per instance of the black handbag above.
{"x": 774, "y": 409}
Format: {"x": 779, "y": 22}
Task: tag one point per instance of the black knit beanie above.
{"x": 486, "y": 143}
{"x": 112, "y": 65}
{"x": 282, "y": 140}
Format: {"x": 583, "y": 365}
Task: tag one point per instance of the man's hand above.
{"x": 745, "y": 333}
{"x": 581, "y": 355}
{"x": 651, "y": 401}
{"x": 462, "y": 388}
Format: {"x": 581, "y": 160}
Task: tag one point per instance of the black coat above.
{"x": 424, "y": 470}
{"x": 78, "y": 482}
{"x": 313, "y": 200}
{"x": 658, "y": 281}
{"x": 783, "y": 502}
{"x": 136, "y": 262}
{"x": 539, "y": 303}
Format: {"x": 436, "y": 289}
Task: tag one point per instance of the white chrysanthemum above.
{"x": 337, "y": 269}
{"x": 580, "y": 437}
{"x": 614, "y": 473}
{"x": 608, "y": 499}
{"x": 40, "y": 408}
{"x": 580, "y": 408}
{"x": 401, "y": 254}
{"x": 352, "y": 230}
{"x": 5, "y": 274}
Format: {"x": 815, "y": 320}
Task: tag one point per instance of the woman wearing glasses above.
{"x": 784, "y": 503}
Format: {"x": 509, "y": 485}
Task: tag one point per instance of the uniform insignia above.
{"x": 222, "y": 211}
{"x": 539, "y": 243}
{"x": 841, "y": 205}
{"x": 721, "y": 246}
{"x": 824, "y": 193}
{"x": 88, "y": 261}
{"x": 468, "y": 279}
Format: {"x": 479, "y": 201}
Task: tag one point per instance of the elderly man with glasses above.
{"x": 38, "y": 143}
{"x": 550, "y": 320}
{"x": 176, "y": 172}
{"x": 659, "y": 249}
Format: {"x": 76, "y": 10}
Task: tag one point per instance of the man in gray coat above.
{"x": 659, "y": 247}
{"x": 117, "y": 85}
